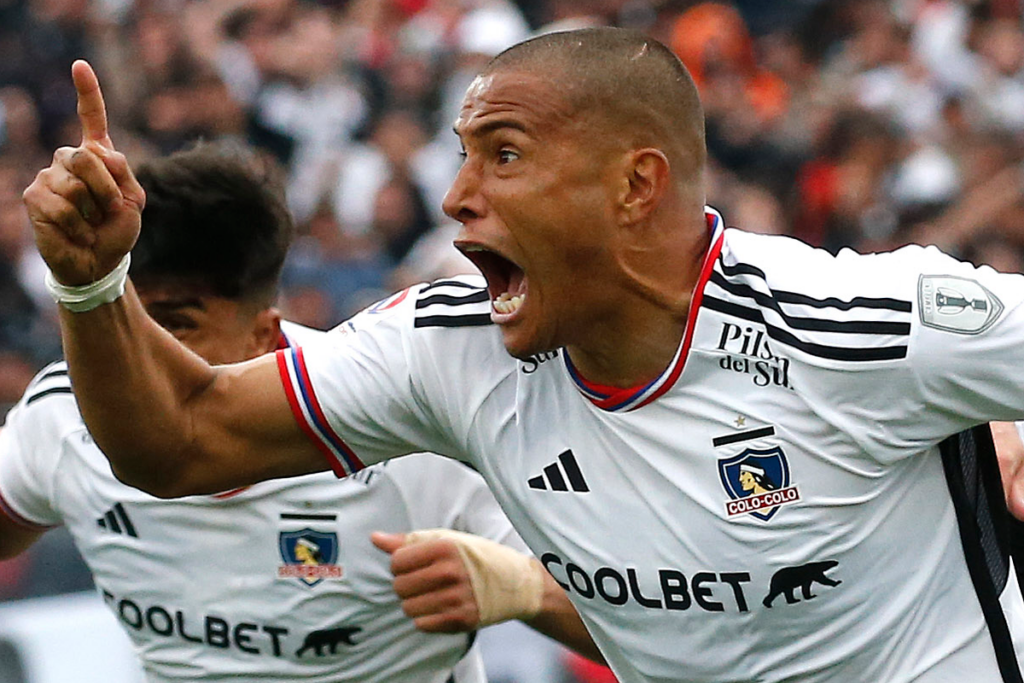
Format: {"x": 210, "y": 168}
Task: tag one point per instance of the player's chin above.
{"x": 521, "y": 344}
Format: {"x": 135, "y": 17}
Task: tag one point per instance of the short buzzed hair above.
{"x": 631, "y": 80}
{"x": 215, "y": 218}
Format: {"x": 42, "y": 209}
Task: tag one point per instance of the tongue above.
{"x": 516, "y": 284}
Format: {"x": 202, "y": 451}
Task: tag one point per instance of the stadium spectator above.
{"x": 626, "y": 363}
{"x": 291, "y": 587}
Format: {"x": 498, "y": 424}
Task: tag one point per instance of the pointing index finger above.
{"x": 92, "y": 112}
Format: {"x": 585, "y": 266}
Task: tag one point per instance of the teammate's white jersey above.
{"x": 275, "y": 582}
{"x": 774, "y": 506}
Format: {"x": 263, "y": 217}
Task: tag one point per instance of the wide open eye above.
{"x": 506, "y": 156}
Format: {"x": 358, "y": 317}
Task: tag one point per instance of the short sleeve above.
{"x": 371, "y": 389}
{"x": 30, "y": 449}
{"x": 968, "y": 341}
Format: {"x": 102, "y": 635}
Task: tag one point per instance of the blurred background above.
{"x": 848, "y": 123}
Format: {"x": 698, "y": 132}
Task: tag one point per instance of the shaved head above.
{"x": 623, "y": 81}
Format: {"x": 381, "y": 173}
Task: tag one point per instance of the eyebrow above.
{"x": 495, "y": 124}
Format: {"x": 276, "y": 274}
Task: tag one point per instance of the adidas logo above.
{"x": 555, "y": 477}
{"x": 116, "y": 520}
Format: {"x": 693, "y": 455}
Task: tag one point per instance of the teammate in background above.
{"x": 278, "y": 581}
{"x": 626, "y": 356}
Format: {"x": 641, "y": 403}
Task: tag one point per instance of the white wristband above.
{"x": 107, "y": 289}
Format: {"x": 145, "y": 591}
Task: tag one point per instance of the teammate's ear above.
{"x": 266, "y": 330}
{"x": 646, "y": 180}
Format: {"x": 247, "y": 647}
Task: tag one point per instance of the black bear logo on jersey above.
{"x": 329, "y": 638}
{"x": 788, "y": 579}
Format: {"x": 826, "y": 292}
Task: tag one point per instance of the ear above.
{"x": 644, "y": 184}
{"x": 266, "y": 330}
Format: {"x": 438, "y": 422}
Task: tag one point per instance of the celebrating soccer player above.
{"x": 278, "y": 581}
{"x": 725, "y": 447}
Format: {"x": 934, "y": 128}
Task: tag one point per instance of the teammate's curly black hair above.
{"x": 215, "y": 218}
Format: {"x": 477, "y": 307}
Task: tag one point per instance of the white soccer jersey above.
{"x": 774, "y": 506}
{"x": 275, "y": 582}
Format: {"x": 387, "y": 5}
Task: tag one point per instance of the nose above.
{"x": 463, "y": 201}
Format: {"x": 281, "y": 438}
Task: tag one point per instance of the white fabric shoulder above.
{"x": 32, "y": 444}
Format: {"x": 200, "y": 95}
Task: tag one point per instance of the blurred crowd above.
{"x": 848, "y": 123}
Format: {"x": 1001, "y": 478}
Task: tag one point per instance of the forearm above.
{"x": 451, "y": 581}
{"x": 136, "y": 387}
{"x": 558, "y": 619}
{"x": 14, "y": 538}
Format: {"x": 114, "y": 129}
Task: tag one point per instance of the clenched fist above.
{"x": 86, "y": 208}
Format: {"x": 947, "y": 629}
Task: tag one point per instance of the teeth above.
{"x": 506, "y": 303}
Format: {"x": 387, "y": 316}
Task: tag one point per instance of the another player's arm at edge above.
{"x": 169, "y": 423}
{"x": 15, "y": 538}
{"x": 558, "y": 619}
{"x": 451, "y": 581}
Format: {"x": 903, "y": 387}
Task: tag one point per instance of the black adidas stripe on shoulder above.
{"x": 55, "y": 369}
{"x": 476, "y": 320}
{"x": 475, "y": 297}
{"x": 48, "y": 392}
{"x": 452, "y": 303}
{"x": 786, "y": 337}
{"x": 448, "y": 283}
{"x": 773, "y": 300}
{"x": 49, "y": 374}
{"x": 52, "y": 380}
{"x": 884, "y": 303}
{"x": 881, "y": 338}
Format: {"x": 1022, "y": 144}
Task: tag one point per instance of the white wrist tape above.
{"x": 506, "y": 583}
{"x": 107, "y": 289}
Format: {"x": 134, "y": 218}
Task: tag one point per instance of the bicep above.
{"x": 244, "y": 431}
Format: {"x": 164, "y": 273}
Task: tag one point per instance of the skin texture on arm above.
{"x": 14, "y": 538}
{"x": 437, "y": 592}
{"x": 168, "y": 422}
{"x": 558, "y": 619}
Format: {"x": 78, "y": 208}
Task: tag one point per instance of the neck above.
{"x": 638, "y": 343}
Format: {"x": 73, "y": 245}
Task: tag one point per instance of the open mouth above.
{"x": 506, "y": 282}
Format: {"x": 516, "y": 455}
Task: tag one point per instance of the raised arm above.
{"x": 168, "y": 422}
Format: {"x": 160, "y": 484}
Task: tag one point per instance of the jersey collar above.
{"x": 617, "y": 400}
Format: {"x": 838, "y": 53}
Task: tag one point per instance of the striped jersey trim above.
{"x": 9, "y": 512}
{"x": 51, "y": 380}
{"x": 307, "y": 411}
{"x": 58, "y": 370}
{"x": 814, "y": 324}
{"x": 742, "y": 291}
{"x": 452, "y": 303}
{"x": 47, "y": 392}
{"x": 783, "y": 336}
{"x": 829, "y": 302}
{"x": 622, "y": 400}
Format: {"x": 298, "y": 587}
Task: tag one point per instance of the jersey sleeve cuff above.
{"x": 291, "y": 365}
{"x": 7, "y": 511}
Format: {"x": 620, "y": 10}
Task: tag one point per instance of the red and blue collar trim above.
{"x": 618, "y": 400}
